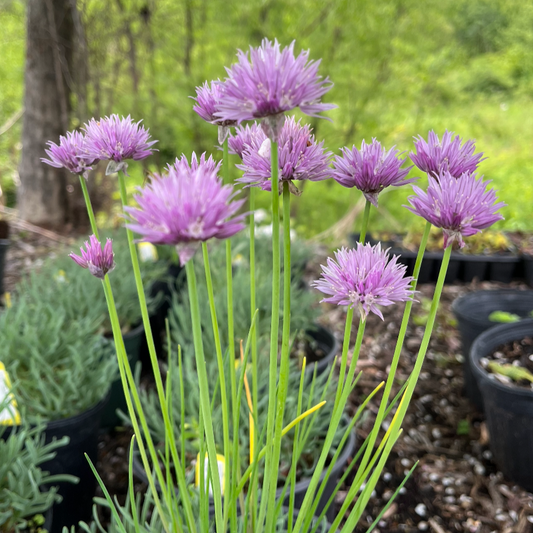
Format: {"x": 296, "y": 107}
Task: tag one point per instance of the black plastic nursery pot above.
{"x": 472, "y": 312}
{"x": 301, "y": 486}
{"x": 4, "y": 245}
{"x": 327, "y": 344}
{"x": 431, "y": 263}
{"x": 508, "y": 408}
{"x": 132, "y": 342}
{"x": 82, "y": 431}
{"x": 527, "y": 264}
{"x": 474, "y": 266}
{"x": 502, "y": 267}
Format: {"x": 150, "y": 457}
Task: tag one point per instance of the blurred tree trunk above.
{"x": 47, "y": 195}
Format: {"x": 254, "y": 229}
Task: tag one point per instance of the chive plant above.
{"x": 189, "y": 205}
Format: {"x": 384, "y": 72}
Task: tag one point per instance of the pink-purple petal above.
{"x": 364, "y": 278}
{"x": 461, "y": 207}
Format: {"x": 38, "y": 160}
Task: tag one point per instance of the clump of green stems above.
{"x": 304, "y": 312}
{"x": 259, "y": 509}
{"x": 187, "y": 427}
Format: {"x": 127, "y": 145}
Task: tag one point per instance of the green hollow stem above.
{"x": 413, "y": 378}
{"x": 274, "y": 334}
{"x": 364, "y": 226}
{"x": 89, "y": 206}
{"x": 253, "y": 307}
{"x": 283, "y": 382}
{"x": 397, "y": 351}
{"x": 338, "y": 410}
{"x": 205, "y": 404}
{"x": 295, "y": 455}
{"x": 129, "y": 384}
{"x": 221, "y": 373}
{"x": 230, "y": 497}
{"x": 142, "y": 299}
{"x": 395, "y": 428}
{"x": 126, "y": 376}
{"x": 151, "y": 349}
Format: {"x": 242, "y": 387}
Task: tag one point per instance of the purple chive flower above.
{"x": 99, "y": 261}
{"x": 269, "y": 82}
{"x": 71, "y": 154}
{"x": 448, "y": 155}
{"x": 246, "y": 136}
{"x": 117, "y": 139}
{"x": 364, "y": 278}
{"x": 184, "y": 207}
{"x": 182, "y": 165}
{"x": 461, "y": 207}
{"x": 207, "y": 100}
{"x": 300, "y": 158}
{"x": 370, "y": 169}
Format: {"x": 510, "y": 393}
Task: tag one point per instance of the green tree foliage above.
{"x": 400, "y": 68}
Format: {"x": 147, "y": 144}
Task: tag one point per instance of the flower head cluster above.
{"x": 71, "y": 154}
{"x": 448, "y": 155}
{"x": 181, "y": 165}
{"x": 461, "y": 207}
{"x": 113, "y": 138}
{"x": 300, "y": 158}
{"x": 370, "y": 169}
{"x": 364, "y": 278}
{"x": 249, "y": 136}
{"x": 270, "y": 81}
{"x": 184, "y": 207}
{"x": 117, "y": 139}
{"x": 99, "y": 261}
{"x": 207, "y": 100}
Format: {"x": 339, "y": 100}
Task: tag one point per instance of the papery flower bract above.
{"x": 71, "y": 154}
{"x": 461, "y": 207}
{"x": 364, "y": 278}
{"x": 117, "y": 139}
{"x": 300, "y": 157}
{"x": 246, "y": 136}
{"x": 99, "y": 261}
{"x": 370, "y": 169}
{"x": 448, "y": 155}
{"x": 185, "y": 207}
{"x": 271, "y": 81}
{"x": 208, "y": 165}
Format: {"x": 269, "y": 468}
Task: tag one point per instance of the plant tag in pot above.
{"x": 147, "y": 252}
{"x": 9, "y": 413}
{"x": 221, "y": 472}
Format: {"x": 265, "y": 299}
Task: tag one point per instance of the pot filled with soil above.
{"x": 473, "y": 311}
{"x": 502, "y": 364}
{"x": 61, "y": 372}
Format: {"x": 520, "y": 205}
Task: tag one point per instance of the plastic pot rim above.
{"x": 483, "y": 347}
{"x": 53, "y": 424}
{"x": 470, "y": 300}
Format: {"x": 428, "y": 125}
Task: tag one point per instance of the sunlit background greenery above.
{"x": 400, "y": 68}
